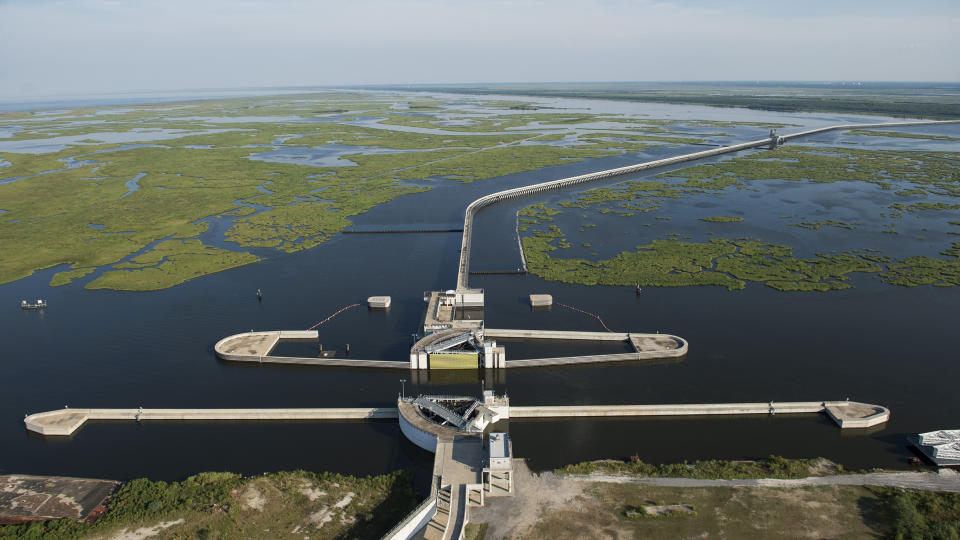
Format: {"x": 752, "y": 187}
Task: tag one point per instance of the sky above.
{"x": 51, "y": 48}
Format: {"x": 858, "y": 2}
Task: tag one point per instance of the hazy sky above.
{"x": 60, "y": 47}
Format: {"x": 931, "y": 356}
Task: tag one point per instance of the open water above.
{"x": 875, "y": 343}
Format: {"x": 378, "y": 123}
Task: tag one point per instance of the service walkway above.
{"x": 463, "y": 273}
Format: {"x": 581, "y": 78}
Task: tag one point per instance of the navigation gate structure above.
{"x": 453, "y": 330}
{"x": 471, "y": 462}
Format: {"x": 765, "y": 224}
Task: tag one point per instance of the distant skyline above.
{"x": 51, "y": 48}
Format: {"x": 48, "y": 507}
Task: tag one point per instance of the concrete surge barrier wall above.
{"x": 423, "y": 439}
{"x": 554, "y": 334}
{"x": 493, "y": 198}
{"x": 68, "y": 421}
{"x": 665, "y": 410}
{"x": 329, "y": 362}
{"x": 847, "y": 414}
{"x": 593, "y": 359}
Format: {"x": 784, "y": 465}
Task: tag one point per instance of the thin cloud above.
{"x": 87, "y": 46}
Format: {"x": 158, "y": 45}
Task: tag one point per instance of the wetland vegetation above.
{"x": 126, "y": 195}
{"x": 892, "y": 99}
{"x": 732, "y": 262}
{"x": 131, "y": 190}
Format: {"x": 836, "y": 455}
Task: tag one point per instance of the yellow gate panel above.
{"x": 454, "y": 361}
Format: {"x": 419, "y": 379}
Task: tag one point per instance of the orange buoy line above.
{"x": 594, "y": 315}
{"x": 351, "y": 306}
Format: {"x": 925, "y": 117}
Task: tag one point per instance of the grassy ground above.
{"x": 920, "y": 514}
{"x": 773, "y": 467}
{"x": 222, "y": 505}
{"x": 623, "y": 511}
{"x": 611, "y": 511}
{"x": 554, "y": 506}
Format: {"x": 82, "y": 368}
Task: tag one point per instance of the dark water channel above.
{"x": 879, "y": 344}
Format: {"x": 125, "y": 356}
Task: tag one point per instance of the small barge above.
{"x": 40, "y": 304}
{"x": 942, "y": 447}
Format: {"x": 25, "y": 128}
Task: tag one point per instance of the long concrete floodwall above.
{"x": 847, "y": 414}
{"x": 328, "y": 362}
{"x": 493, "y": 198}
{"x": 844, "y": 413}
{"x": 666, "y": 410}
{"x": 594, "y": 358}
{"x": 555, "y": 334}
{"x": 68, "y": 421}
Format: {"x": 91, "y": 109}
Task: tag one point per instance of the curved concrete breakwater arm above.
{"x": 257, "y": 346}
{"x": 493, "y": 198}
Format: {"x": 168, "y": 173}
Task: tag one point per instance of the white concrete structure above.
{"x": 942, "y": 436}
{"x": 416, "y": 434}
{"x": 499, "y": 445}
{"x": 497, "y": 476}
{"x": 942, "y": 447}
{"x": 541, "y": 300}
{"x": 494, "y": 357}
{"x": 469, "y": 298}
{"x": 379, "y": 302}
{"x": 947, "y": 450}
